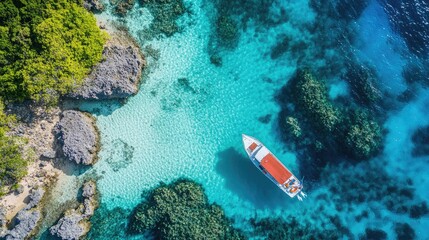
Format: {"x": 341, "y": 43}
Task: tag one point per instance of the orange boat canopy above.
{"x": 275, "y": 168}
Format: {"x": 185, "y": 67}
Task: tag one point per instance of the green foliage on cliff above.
{"x": 12, "y": 165}
{"x": 181, "y": 211}
{"x": 47, "y": 48}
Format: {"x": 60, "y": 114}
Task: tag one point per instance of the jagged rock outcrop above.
{"x": 93, "y": 5}
{"x": 117, "y": 76}
{"x": 77, "y": 137}
{"x": 26, "y": 219}
{"x": 75, "y": 222}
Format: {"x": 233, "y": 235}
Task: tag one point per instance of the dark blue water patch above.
{"x": 410, "y": 19}
{"x": 243, "y": 178}
{"x": 340, "y": 9}
{"x": 420, "y": 139}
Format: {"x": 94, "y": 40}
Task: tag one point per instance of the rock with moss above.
{"x": 75, "y": 222}
{"x": 116, "y": 77}
{"x": 77, "y": 137}
{"x": 181, "y": 210}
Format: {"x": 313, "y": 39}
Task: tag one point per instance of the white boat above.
{"x": 271, "y": 167}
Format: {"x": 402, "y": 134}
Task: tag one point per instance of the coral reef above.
{"x": 109, "y": 223}
{"x": 181, "y": 210}
{"x": 122, "y": 6}
{"x": 276, "y": 228}
{"x": 404, "y": 231}
{"x": 362, "y": 80}
{"x": 280, "y": 48}
{"x": 75, "y": 222}
{"x": 226, "y": 28}
{"x": 120, "y": 156}
{"x": 313, "y": 123}
{"x": 93, "y": 5}
{"x": 374, "y": 234}
{"x": 117, "y": 76}
{"x": 77, "y": 137}
{"x": 420, "y": 140}
{"x": 363, "y": 137}
{"x": 165, "y": 13}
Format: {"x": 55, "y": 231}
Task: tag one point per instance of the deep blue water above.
{"x": 174, "y": 128}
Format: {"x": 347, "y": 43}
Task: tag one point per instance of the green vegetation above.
{"x": 181, "y": 211}
{"x": 317, "y": 124}
{"x": 47, "y": 48}
{"x": 12, "y": 166}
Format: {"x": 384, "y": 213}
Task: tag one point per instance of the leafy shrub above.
{"x": 181, "y": 211}
{"x": 12, "y": 165}
{"x": 48, "y": 48}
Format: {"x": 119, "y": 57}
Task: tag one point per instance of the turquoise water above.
{"x": 192, "y": 128}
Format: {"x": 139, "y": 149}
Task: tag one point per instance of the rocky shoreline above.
{"x": 55, "y": 137}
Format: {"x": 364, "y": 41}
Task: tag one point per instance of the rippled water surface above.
{"x": 188, "y": 117}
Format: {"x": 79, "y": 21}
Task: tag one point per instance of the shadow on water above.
{"x": 103, "y": 108}
{"x": 244, "y": 179}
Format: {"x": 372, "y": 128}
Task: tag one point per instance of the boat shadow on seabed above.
{"x": 244, "y": 179}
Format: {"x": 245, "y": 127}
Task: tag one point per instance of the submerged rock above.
{"x": 116, "y": 77}
{"x": 93, "y": 5}
{"x": 78, "y": 137}
{"x": 75, "y": 222}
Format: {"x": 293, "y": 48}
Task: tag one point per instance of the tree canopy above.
{"x": 46, "y": 48}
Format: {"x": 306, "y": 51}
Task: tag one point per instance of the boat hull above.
{"x": 271, "y": 167}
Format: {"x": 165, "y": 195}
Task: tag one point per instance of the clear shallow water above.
{"x": 171, "y": 130}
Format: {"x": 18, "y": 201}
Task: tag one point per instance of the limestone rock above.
{"x": 116, "y": 77}
{"x": 88, "y": 189}
{"x": 75, "y": 222}
{"x": 78, "y": 137}
{"x": 35, "y": 196}
{"x": 69, "y": 227}
{"x": 26, "y": 222}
